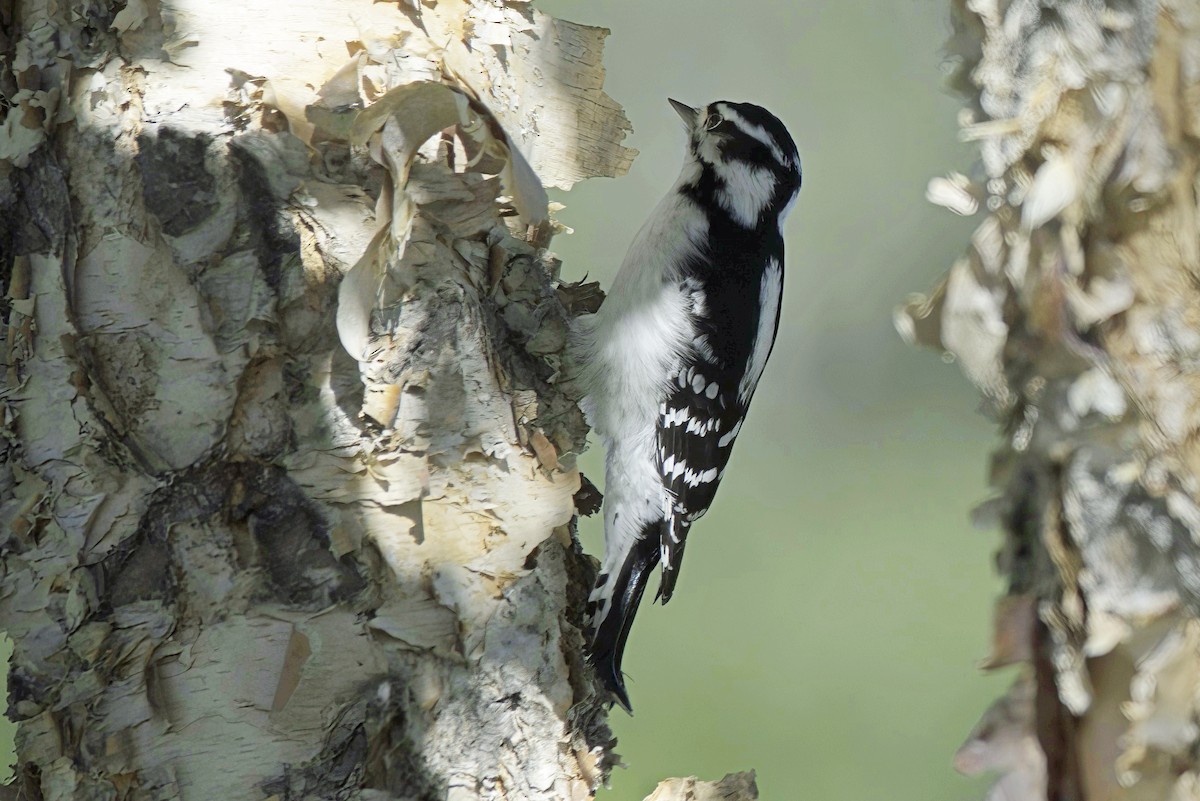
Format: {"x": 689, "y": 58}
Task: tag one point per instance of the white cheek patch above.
{"x": 747, "y": 191}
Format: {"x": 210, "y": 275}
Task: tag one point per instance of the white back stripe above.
{"x": 769, "y": 294}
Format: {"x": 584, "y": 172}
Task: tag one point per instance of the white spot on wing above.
{"x": 694, "y": 478}
{"x": 728, "y": 437}
{"x": 769, "y": 293}
{"x": 677, "y": 467}
{"x": 675, "y": 417}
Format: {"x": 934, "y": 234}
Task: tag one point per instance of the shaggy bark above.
{"x": 1076, "y": 311}
{"x": 286, "y": 488}
{"x": 734, "y": 787}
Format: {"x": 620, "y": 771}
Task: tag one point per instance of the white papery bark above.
{"x": 1076, "y": 312}
{"x": 733, "y": 787}
{"x": 287, "y": 489}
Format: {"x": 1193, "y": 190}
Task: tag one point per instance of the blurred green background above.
{"x": 835, "y": 601}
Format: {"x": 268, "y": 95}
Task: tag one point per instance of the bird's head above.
{"x": 748, "y": 157}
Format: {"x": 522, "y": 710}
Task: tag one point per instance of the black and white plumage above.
{"x": 672, "y": 359}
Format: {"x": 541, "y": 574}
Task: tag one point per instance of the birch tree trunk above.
{"x": 287, "y": 481}
{"x": 1076, "y": 311}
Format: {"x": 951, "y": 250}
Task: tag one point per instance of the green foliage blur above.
{"x": 834, "y": 602}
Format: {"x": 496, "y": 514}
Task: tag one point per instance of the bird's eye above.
{"x": 713, "y": 121}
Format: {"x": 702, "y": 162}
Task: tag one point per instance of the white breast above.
{"x": 644, "y": 325}
{"x": 627, "y": 352}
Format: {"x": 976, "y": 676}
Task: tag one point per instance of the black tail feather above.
{"x": 608, "y": 642}
{"x": 670, "y": 575}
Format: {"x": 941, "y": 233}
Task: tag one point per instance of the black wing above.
{"x": 694, "y": 441}
{"x": 708, "y": 399}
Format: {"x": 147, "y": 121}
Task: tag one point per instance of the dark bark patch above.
{"x": 24, "y": 687}
{"x": 1056, "y": 727}
{"x": 27, "y": 785}
{"x": 1023, "y": 531}
{"x": 287, "y": 540}
{"x": 335, "y": 773}
{"x": 588, "y": 498}
{"x": 143, "y": 567}
{"x": 145, "y": 574}
{"x": 176, "y": 187}
{"x": 293, "y": 544}
{"x": 273, "y": 237}
{"x": 394, "y": 763}
{"x": 42, "y": 207}
{"x": 367, "y": 748}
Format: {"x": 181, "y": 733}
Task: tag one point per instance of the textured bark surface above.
{"x": 1076, "y": 311}
{"x": 286, "y": 485}
{"x": 734, "y": 787}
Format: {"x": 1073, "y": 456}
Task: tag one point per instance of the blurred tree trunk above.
{"x": 1076, "y": 311}
{"x": 286, "y": 493}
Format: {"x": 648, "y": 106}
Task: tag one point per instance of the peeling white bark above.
{"x": 734, "y": 787}
{"x": 286, "y": 491}
{"x": 1076, "y": 312}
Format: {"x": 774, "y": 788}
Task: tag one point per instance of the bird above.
{"x": 669, "y": 363}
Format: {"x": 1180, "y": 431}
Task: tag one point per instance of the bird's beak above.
{"x": 685, "y": 112}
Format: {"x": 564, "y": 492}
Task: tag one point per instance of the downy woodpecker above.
{"x": 670, "y": 362}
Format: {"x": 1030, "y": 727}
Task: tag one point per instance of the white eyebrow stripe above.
{"x": 756, "y": 131}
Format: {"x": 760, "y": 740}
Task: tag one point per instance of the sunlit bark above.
{"x": 286, "y": 490}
